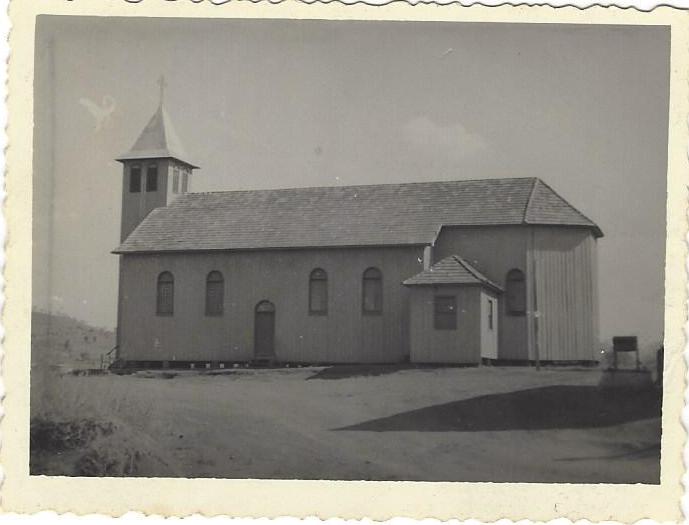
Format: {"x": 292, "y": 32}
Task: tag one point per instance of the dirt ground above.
{"x": 437, "y": 424}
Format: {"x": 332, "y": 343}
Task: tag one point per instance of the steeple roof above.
{"x": 158, "y": 140}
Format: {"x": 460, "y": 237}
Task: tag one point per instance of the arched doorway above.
{"x": 264, "y": 330}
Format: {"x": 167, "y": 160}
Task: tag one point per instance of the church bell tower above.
{"x": 155, "y": 171}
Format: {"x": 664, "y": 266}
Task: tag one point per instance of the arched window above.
{"x": 372, "y": 291}
{"x": 318, "y": 292}
{"x": 165, "y": 298}
{"x": 215, "y": 293}
{"x": 515, "y": 292}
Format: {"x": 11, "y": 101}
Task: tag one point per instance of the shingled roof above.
{"x": 371, "y": 215}
{"x": 158, "y": 140}
{"x": 451, "y": 270}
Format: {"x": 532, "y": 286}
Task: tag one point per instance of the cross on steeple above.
{"x": 163, "y": 84}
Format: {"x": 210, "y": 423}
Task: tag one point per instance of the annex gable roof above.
{"x": 452, "y": 270}
{"x": 158, "y": 140}
{"x": 369, "y": 215}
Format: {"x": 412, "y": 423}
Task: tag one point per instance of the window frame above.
{"x": 151, "y": 169}
{"x": 318, "y": 275}
{"x": 215, "y": 277}
{"x": 491, "y": 314}
{"x": 165, "y": 278}
{"x": 185, "y": 181}
{"x": 175, "y": 180}
{"x": 450, "y": 314}
{"x": 515, "y": 277}
{"x": 368, "y": 278}
{"x": 135, "y": 187}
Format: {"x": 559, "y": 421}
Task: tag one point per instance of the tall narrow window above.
{"x": 175, "y": 180}
{"x": 515, "y": 292}
{"x": 372, "y": 291}
{"x": 185, "y": 181}
{"x": 318, "y": 292}
{"x": 215, "y": 293}
{"x": 490, "y": 314}
{"x": 165, "y": 297}
{"x": 152, "y": 178}
{"x": 445, "y": 312}
{"x": 135, "y": 179}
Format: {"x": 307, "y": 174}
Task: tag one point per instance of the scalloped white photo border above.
{"x": 487, "y": 502}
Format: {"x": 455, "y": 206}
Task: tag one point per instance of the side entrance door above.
{"x": 264, "y": 330}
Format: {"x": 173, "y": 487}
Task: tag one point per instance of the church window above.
{"x": 175, "y": 180}
{"x": 135, "y": 179}
{"x": 185, "y": 181}
{"x": 215, "y": 293}
{"x": 491, "y": 313}
{"x": 152, "y": 178}
{"x": 165, "y": 297}
{"x": 318, "y": 292}
{"x": 445, "y": 312}
{"x": 515, "y": 292}
{"x": 372, "y": 291}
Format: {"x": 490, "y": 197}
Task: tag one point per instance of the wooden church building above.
{"x": 432, "y": 272}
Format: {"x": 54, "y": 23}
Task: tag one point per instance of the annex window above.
{"x": 175, "y": 181}
{"x": 165, "y": 297}
{"x": 372, "y": 291}
{"x": 152, "y": 178}
{"x": 515, "y": 292}
{"x": 215, "y": 293}
{"x": 318, "y": 292}
{"x": 135, "y": 179}
{"x": 445, "y": 312}
{"x": 185, "y": 181}
{"x": 491, "y": 313}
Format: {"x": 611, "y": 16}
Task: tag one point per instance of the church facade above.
{"x": 434, "y": 272}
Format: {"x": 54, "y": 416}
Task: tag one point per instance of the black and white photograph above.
{"x": 284, "y": 249}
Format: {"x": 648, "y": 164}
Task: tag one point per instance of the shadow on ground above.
{"x": 347, "y": 371}
{"x": 551, "y": 407}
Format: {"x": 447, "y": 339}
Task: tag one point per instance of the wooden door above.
{"x": 264, "y": 330}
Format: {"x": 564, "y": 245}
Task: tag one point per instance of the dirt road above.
{"x": 452, "y": 424}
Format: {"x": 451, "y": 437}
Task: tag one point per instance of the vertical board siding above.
{"x": 136, "y": 206}
{"x": 494, "y": 251}
{"x": 282, "y": 277}
{"x": 566, "y": 293}
{"x": 460, "y": 346}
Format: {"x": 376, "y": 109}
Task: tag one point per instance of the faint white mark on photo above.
{"x": 102, "y": 113}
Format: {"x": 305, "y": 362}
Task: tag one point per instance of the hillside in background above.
{"x": 59, "y": 340}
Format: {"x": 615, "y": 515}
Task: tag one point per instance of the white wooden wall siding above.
{"x": 493, "y": 250}
{"x": 282, "y": 277}
{"x": 489, "y": 335}
{"x": 429, "y": 345}
{"x": 567, "y": 301}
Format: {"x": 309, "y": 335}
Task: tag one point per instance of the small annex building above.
{"x": 453, "y": 314}
{"x": 431, "y": 272}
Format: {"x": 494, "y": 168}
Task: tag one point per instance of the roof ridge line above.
{"x": 411, "y": 183}
{"x": 163, "y": 126}
{"x": 468, "y": 267}
{"x": 567, "y": 202}
{"x": 474, "y": 271}
{"x": 536, "y": 180}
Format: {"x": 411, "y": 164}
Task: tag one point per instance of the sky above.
{"x": 274, "y": 104}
